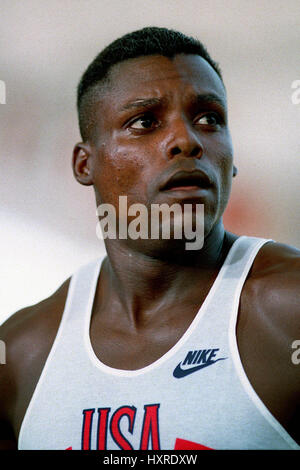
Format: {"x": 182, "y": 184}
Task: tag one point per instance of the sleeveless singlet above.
{"x": 195, "y": 396}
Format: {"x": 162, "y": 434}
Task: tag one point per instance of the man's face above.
{"x": 160, "y": 117}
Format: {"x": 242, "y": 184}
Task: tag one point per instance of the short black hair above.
{"x": 151, "y": 40}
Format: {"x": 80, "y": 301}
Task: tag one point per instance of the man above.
{"x": 157, "y": 346}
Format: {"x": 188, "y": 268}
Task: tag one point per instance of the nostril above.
{"x": 175, "y": 151}
{"x": 195, "y": 152}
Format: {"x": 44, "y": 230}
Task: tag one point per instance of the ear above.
{"x": 234, "y": 171}
{"x": 81, "y": 163}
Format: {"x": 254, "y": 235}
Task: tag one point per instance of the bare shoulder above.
{"x": 272, "y": 291}
{"x": 275, "y": 277}
{"x": 26, "y": 323}
{"x": 28, "y": 336}
{"x": 274, "y": 257}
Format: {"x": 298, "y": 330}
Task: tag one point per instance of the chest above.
{"x": 132, "y": 349}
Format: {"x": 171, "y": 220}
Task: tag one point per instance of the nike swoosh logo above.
{"x": 179, "y": 372}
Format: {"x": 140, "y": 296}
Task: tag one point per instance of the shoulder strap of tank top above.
{"x": 228, "y": 283}
{"x": 221, "y": 304}
{"x": 236, "y": 267}
{"x": 79, "y": 303}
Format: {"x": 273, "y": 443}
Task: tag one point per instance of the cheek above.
{"x": 225, "y": 181}
{"x": 118, "y": 174}
{"x": 222, "y": 161}
{"x": 223, "y": 156}
{"x": 225, "y": 176}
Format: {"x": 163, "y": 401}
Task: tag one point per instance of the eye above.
{"x": 209, "y": 119}
{"x": 146, "y": 121}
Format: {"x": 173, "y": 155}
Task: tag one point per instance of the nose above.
{"x": 185, "y": 140}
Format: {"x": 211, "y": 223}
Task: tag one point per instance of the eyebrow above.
{"x": 209, "y": 98}
{"x": 151, "y": 102}
{"x": 143, "y": 103}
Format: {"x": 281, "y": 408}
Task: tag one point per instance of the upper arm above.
{"x": 268, "y": 325}
{"x": 275, "y": 297}
{"x": 28, "y": 336}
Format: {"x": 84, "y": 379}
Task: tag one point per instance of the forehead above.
{"x": 157, "y": 76}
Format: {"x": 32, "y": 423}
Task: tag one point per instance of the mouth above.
{"x": 187, "y": 181}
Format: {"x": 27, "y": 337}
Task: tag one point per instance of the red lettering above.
{"x": 118, "y": 437}
{"x": 87, "y": 429}
{"x": 150, "y": 427}
{"x": 149, "y": 431}
{"x": 102, "y": 427}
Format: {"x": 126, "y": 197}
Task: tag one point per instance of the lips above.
{"x": 187, "y": 180}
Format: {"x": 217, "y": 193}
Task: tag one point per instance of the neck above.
{"x": 139, "y": 282}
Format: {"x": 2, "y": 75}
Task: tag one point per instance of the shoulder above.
{"x": 275, "y": 276}
{"x": 30, "y": 326}
{"x": 276, "y": 256}
{"x": 28, "y": 336}
{"x": 272, "y": 289}
{"x": 270, "y": 309}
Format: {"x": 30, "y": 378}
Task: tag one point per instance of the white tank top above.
{"x": 195, "y": 396}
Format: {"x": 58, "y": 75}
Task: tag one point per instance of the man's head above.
{"x": 150, "y": 117}
{"x": 144, "y": 42}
